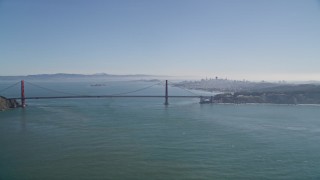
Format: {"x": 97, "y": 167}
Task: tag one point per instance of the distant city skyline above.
{"x": 249, "y": 39}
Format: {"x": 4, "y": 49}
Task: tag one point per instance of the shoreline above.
{"x": 6, "y": 103}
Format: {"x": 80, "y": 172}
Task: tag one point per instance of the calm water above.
{"x": 143, "y": 139}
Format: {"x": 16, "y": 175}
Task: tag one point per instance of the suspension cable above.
{"x": 52, "y": 90}
{"x": 135, "y": 90}
{"x": 185, "y": 89}
{"x": 2, "y": 90}
{"x": 56, "y": 91}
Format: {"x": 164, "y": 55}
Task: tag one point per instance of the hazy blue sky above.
{"x": 251, "y": 39}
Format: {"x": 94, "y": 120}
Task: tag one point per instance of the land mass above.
{"x": 257, "y": 92}
{"x": 73, "y": 76}
{"x": 310, "y": 95}
{"x": 8, "y": 103}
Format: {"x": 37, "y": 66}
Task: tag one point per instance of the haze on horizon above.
{"x": 254, "y": 40}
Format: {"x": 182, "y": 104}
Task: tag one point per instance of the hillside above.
{"x": 7, "y": 103}
{"x": 225, "y": 85}
{"x": 286, "y": 94}
{"x": 257, "y": 92}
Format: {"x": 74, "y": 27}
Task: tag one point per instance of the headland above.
{"x": 8, "y": 103}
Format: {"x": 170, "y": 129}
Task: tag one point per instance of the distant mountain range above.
{"x": 73, "y": 76}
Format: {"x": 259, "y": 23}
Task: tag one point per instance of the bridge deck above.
{"x": 103, "y": 96}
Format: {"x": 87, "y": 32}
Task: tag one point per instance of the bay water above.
{"x": 140, "y": 138}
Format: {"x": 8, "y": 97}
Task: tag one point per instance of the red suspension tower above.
{"x": 166, "y": 96}
{"x": 23, "y": 98}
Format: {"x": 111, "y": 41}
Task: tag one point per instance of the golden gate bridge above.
{"x": 166, "y": 96}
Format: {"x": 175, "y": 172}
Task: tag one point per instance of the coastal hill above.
{"x": 7, "y": 103}
{"x": 257, "y": 92}
{"x": 287, "y": 94}
{"x": 225, "y": 85}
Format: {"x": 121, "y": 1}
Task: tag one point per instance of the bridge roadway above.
{"x": 104, "y": 96}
